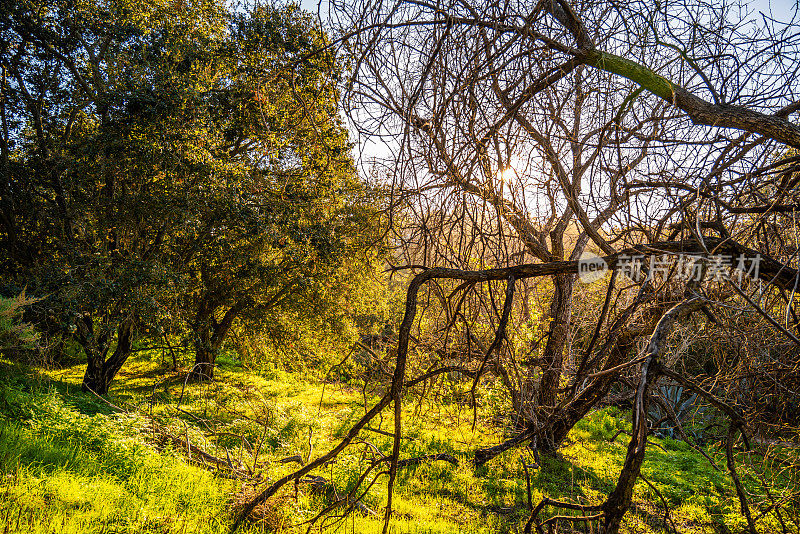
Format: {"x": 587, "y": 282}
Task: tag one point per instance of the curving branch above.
{"x": 772, "y": 270}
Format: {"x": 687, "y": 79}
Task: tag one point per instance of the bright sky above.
{"x": 782, "y": 10}
{"x": 778, "y": 8}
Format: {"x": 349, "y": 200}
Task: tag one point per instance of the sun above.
{"x": 507, "y": 174}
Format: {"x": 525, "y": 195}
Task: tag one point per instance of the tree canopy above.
{"x": 173, "y": 170}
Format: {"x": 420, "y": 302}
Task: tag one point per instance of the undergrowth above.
{"x": 72, "y": 463}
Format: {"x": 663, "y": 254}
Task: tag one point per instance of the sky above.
{"x": 781, "y": 10}
{"x": 778, "y": 8}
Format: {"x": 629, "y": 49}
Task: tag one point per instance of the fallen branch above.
{"x": 222, "y": 468}
{"x": 487, "y": 453}
{"x": 561, "y": 504}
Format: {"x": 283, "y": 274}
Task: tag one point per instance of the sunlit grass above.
{"x": 64, "y": 471}
{"x": 71, "y": 464}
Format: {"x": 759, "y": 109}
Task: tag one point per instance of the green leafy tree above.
{"x": 289, "y": 233}
{"x": 165, "y": 166}
{"x": 14, "y": 333}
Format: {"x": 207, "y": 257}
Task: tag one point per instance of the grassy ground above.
{"x": 72, "y": 463}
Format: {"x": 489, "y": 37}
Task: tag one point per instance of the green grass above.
{"x": 70, "y": 463}
{"x": 68, "y": 471}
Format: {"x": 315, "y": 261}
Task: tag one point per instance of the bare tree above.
{"x": 535, "y": 132}
{"x": 516, "y": 164}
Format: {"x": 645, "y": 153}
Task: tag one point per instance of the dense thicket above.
{"x": 539, "y": 131}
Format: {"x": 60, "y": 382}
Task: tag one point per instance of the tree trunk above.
{"x": 558, "y": 425}
{"x": 203, "y": 328}
{"x": 209, "y": 336}
{"x": 93, "y": 377}
{"x": 586, "y": 400}
{"x": 204, "y": 358}
{"x": 537, "y": 404}
{"x": 553, "y": 355}
{"x": 100, "y": 371}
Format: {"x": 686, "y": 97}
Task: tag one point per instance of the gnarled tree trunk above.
{"x": 99, "y": 370}
{"x": 210, "y": 334}
{"x": 553, "y": 355}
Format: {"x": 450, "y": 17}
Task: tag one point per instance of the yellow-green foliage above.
{"x": 13, "y": 332}
{"x": 67, "y": 471}
{"x": 71, "y": 462}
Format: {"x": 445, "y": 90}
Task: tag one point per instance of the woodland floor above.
{"x": 71, "y": 463}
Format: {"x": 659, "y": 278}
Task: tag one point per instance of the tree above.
{"x": 705, "y": 187}
{"x": 98, "y": 142}
{"x": 295, "y": 218}
{"x": 523, "y": 156}
{"x": 15, "y": 334}
{"x": 157, "y": 159}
